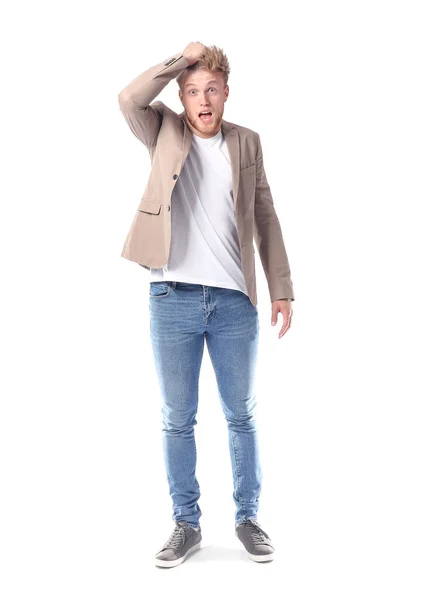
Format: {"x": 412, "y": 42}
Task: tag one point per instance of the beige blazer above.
{"x": 168, "y": 139}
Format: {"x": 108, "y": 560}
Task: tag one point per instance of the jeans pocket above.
{"x": 159, "y": 289}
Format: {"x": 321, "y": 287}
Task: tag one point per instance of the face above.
{"x": 204, "y": 91}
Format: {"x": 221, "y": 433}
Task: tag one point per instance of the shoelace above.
{"x": 176, "y": 539}
{"x": 258, "y": 536}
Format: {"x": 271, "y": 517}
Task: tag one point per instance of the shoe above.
{"x": 183, "y": 541}
{"x": 256, "y": 541}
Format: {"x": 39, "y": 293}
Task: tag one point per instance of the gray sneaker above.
{"x": 256, "y": 541}
{"x": 183, "y": 541}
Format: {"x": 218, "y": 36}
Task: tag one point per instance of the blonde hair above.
{"x": 213, "y": 60}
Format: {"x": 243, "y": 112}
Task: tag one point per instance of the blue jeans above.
{"x": 182, "y": 316}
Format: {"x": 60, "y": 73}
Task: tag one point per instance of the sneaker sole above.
{"x": 261, "y": 557}
{"x": 178, "y": 561}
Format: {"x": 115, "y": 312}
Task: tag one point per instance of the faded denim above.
{"x": 182, "y": 316}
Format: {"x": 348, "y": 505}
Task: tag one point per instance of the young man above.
{"x": 206, "y": 199}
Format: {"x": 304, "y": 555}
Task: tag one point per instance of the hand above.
{"x": 193, "y": 52}
{"x": 284, "y": 307}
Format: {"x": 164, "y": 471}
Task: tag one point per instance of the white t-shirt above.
{"x": 205, "y": 246}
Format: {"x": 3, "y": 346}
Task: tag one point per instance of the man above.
{"x": 207, "y": 197}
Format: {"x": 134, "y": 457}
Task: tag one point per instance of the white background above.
{"x": 333, "y": 89}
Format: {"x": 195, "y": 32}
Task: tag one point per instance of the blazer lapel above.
{"x": 233, "y": 144}
{"x": 232, "y": 139}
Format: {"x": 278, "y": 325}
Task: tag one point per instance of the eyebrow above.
{"x": 211, "y": 81}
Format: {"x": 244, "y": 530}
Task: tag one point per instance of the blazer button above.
{"x": 175, "y": 176}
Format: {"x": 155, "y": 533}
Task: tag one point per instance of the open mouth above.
{"x": 205, "y": 116}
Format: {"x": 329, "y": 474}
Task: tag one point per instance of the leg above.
{"x": 177, "y": 338}
{"x": 232, "y": 340}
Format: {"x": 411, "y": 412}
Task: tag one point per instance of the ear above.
{"x": 180, "y": 95}
{"x": 227, "y": 91}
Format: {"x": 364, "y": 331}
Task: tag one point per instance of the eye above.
{"x": 211, "y": 88}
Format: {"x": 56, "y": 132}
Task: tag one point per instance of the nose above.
{"x": 204, "y": 99}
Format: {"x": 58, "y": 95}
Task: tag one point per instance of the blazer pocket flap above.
{"x": 150, "y": 206}
{"x": 250, "y": 169}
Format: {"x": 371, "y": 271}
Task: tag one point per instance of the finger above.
{"x": 274, "y": 315}
{"x": 286, "y": 325}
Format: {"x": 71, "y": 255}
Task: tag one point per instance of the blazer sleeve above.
{"x": 135, "y": 99}
{"x": 268, "y": 236}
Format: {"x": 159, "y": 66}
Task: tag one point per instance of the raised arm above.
{"x": 135, "y": 99}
